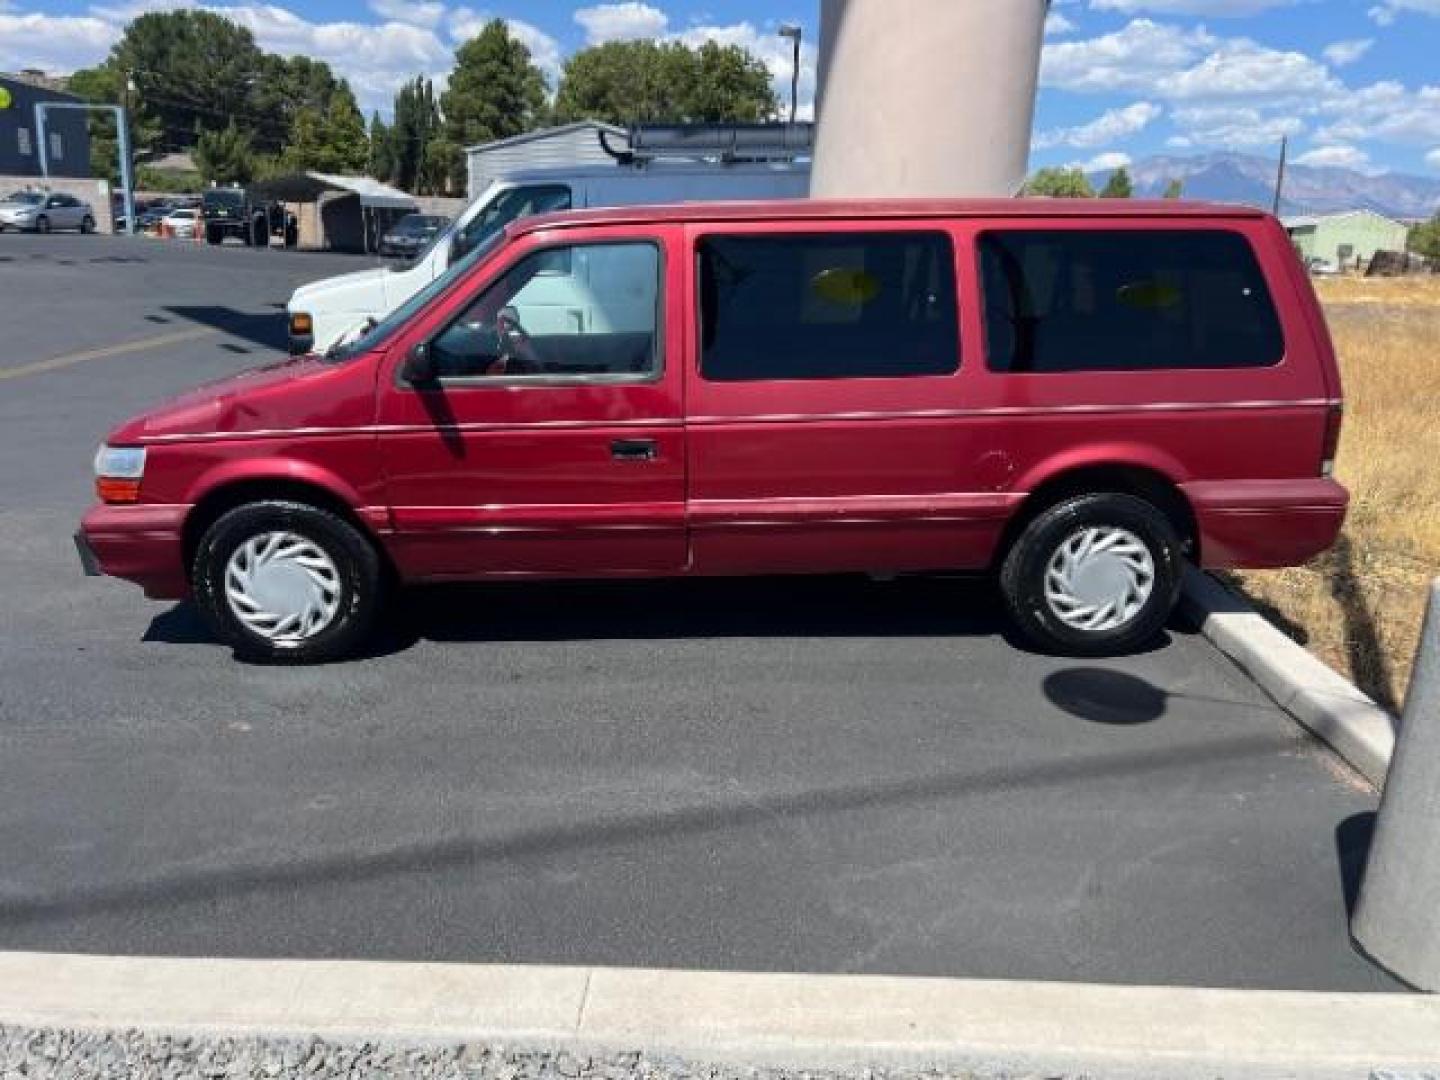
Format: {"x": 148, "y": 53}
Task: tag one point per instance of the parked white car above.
{"x": 38, "y": 211}
{"x": 182, "y": 223}
{"x": 324, "y": 312}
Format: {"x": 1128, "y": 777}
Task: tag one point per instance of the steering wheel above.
{"x": 517, "y": 354}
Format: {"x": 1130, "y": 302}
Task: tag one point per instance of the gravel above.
{"x": 70, "y": 1054}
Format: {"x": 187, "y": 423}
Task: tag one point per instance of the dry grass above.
{"x": 1360, "y": 606}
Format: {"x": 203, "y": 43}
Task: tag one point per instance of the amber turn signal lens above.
{"x": 112, "y": 490}
{"x": 301, "y": 323}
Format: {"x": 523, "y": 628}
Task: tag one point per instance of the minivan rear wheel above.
{"x": 1094, "y": 575}
{"x": 285, "y": 582}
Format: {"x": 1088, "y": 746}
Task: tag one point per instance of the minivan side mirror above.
{"x": 419, "y": 369}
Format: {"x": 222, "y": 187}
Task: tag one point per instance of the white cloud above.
{"x": 621, "y": 22}
{"x": 1338, "y": 156}
{"x": 1220, "y": 8}
{"x": 1109, "y": 127}
{"x": 544, "y": 49}
{"x": 426, "y": 13}
{"x": 54, "y": 43}
{"x": 1386, "y": 111}
{"x": 1242, "y": 69}
{"x": 1183, "y": 64}
{"x": 1433, "y": 159}
{"x": 1138, "y": 58}
{"x": 1110, "y": 161}
{"x": 1234, "y": 127}
{"x": 1342, "y": 53}
{"x": 1055, "y": 24}
{"x": 1387, "y": 11}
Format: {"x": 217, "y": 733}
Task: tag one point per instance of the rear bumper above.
{"x": 1266, "y": 524}
{"x": 143, "y": 544}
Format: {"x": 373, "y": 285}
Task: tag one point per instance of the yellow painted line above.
{"x": 106, "y": 351}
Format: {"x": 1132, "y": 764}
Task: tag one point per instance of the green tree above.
{"x": 1175, "y": 189}
{"x": 225, "y": 156}
{"x": 1060, "y": 183}
{"x": 1425, "y": 238}
{"x": 381, "y": 162}
{"x": 629, "y": 82}
{"x": 193, "y": 71}
{"x": 102, "y": 85}
{"x": 417, "y": 126}
{"x": 495, "y": 91}
{"x": 1119, "y": 186}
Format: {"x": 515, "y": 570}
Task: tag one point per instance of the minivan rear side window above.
{"x": 1125, "y": 300}
{"x": 833, "y": 306}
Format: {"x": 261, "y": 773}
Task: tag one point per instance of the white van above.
{"x": 323, "y": 312}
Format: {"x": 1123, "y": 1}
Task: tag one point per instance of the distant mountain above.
{"x": 1309, "y": 189}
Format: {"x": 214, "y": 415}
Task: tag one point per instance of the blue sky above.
{"x": 1353, "y": 82}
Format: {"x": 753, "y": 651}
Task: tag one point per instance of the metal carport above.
{"x": 341, "y": 213}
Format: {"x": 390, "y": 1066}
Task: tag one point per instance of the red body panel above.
{"x": 915, "y": 473}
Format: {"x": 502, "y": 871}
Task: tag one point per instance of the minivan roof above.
{"x": 887, "y": 209}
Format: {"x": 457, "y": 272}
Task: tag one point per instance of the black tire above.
{"x": 213, "y": 235}
{"x": 42, "y": 224}
{"x": 1023, "y": 574}
{"x": 355, "y": 559}
{"x": 87, "y": 225}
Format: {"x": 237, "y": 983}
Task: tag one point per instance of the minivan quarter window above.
{"x": 571, "y": 311}
{"x": 1125, "y": 300}
{"x": 843, "y": 305}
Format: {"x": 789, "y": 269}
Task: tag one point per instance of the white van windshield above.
{"x": 510, "y": 205}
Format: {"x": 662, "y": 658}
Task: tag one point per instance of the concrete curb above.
{"x": 1323, "y": 701}
{"x": 789, "y": 1021}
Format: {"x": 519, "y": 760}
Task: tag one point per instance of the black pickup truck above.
{"x": 232, "y": 212}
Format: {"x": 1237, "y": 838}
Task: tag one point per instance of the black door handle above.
{"x": 634, "y": 450}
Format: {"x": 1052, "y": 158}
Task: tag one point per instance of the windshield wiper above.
{"x": 334, "y": 349}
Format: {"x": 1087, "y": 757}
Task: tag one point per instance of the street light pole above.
{"x": 794, "y": 32}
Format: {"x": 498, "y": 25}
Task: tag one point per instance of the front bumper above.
{"x": 142, "y": 543}
{"x": 1266, "y": 524}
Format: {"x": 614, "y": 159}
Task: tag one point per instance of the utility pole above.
{"x": 794, "y": 32}
{"x": 1280, "y": 175}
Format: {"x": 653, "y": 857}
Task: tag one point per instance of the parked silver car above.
{"x": 36, "y": 211}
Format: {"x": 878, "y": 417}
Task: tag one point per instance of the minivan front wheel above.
{"x": 1094, "y": 575}
{"x": 285, "y": 582}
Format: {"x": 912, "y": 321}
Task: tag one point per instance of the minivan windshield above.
{"x": 376, "y": 333}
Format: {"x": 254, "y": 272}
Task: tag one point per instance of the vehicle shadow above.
{"x": 555, "y": 611}
{"x": 263, "y": 329}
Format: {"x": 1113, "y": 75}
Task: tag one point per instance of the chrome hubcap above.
{"x": 283, "y": 586}
{"x": 1099, "y": 578}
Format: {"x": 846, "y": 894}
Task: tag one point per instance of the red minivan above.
{"x": 1077, "y": 396}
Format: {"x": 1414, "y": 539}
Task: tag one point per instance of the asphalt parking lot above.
{"x": 816, "y": 775}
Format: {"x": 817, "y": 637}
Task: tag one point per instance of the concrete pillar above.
{"x": 1397, "y": 921}
{"x": 926, "y": 97}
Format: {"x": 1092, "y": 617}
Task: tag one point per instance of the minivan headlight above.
{"x": 118, "y": 471}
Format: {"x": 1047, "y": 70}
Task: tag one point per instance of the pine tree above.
{"x": 494, "y": 92}
{"x": 1119, "y": 186}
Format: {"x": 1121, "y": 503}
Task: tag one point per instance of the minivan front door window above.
{"x": 588, "y": 310}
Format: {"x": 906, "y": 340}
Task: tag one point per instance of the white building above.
{"x": 559, "y": 147}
